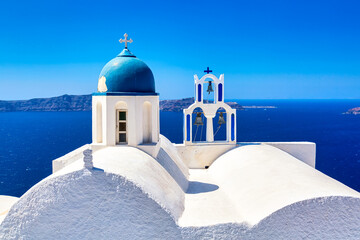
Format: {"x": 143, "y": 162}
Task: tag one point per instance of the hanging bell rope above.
{"x": 217, "y": 130}
{"x": 197, "y": 127}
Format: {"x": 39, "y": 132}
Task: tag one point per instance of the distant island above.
{"x": 83, "y": 103}
{"x": 354, "y": 111}
{"x": 54, "y": 104}
{"x": 264, "y": 107}
{"x": 180, "y": 104}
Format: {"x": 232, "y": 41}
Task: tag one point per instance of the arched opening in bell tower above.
{"x": 209, "y": 91}
{"x": 198, "y": 125}
{"x": 220, "y": 125}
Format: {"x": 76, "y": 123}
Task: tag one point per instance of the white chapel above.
{"x": 126, "y": 106}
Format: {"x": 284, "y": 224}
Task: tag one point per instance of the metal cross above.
{"x": 126, "y": 41}
{"x": 208, "y": 71}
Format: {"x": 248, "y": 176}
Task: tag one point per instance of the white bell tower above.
{"x": 208, "y": 110}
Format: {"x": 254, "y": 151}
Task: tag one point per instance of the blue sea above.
{"x": 31, "y": 140}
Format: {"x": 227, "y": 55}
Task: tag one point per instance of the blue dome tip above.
{"x": 126, "y": 53}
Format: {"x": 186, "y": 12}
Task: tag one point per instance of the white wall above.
{"x": 69, "y": 158}
{"x": 204, "y": 154}
{"x": 304, "y": 151}
{"x": 135, "y": 118}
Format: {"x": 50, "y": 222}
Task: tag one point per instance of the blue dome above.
{"x": 126, "y": 74}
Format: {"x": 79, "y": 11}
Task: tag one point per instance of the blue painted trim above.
{"x": 125, "y": 94}
{"x": 188, "y": 127}
{"x": 199, "y": 92}
{"x": 232, "y": 127}
{"x": 220, "y": 89}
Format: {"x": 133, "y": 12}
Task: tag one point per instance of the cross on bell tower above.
{"x": 208, "y": 70}
{"x": 126, "y": 41}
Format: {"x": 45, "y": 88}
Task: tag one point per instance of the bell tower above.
{"x": 202, "y": 112}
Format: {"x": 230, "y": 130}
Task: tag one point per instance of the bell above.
{"x": 210, "y": 89}
{"x": 221, "y": 119}
{"x": 198, "y": 119}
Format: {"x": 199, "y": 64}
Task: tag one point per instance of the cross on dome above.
{"x": 208, "y": 70}
{"x": 126, "y": 41}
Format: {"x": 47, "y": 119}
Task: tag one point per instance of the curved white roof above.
{"x": 250, "y": 192}
{"x": 247, "y": 184}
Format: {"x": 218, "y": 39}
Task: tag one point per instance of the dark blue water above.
{"x": 31, "y": 140}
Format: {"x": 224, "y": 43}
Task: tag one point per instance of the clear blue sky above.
{"x": 266, "y": 49}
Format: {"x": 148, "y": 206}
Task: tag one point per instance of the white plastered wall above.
{"x": 198, "y": 156}
{"x": 135, "y": 122}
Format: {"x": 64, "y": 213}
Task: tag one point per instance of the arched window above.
{"x": 147, "y": 122}
{"x": 99, "y": 124}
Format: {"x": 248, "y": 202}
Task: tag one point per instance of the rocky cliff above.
{"x": 83, "y": 103}
{"x": 56, "y": 104}
{"x": 180, "y": 104}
